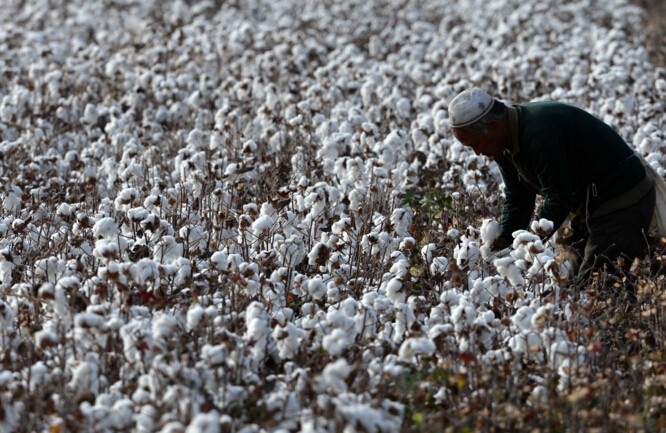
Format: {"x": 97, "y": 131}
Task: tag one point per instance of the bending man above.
{"x": 579, "y": 164}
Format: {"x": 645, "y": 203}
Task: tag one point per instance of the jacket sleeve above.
{"x": 548, "y": 156}
{"x": 519, "y": 202}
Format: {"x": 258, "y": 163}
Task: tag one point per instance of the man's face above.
{"x": 488, "y": 144}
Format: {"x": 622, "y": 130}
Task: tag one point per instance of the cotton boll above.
{"x": 466, "y": 253}
{"x": 287, "y": 339}
{"x": 334, "y": 375}
{"x": 167, "y": 250}
{"x": 439, "y": 265}
{"x": 395, "y": 290}
{"x": 427, "y": 252}
{"x": 336, "y": 342}
{"x": 524, "y": 237}
{"x": 208, "y": 422}
{"x": 219, "y": 260}
{"x": 463, "y": 314}
{"x": 507, "y": 268}
{"x": 490, "y": 231}
{"x": 522, "y": 319}
{"x": 105, "y": 228}
{"x": 660, "y": 85}
{"x": 316, "y": 288}
{"x": 412, "y": 348}
{"x": 543, "y": 225}
{"x": 194, "y": 315}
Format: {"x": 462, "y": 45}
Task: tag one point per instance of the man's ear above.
{"x": 493, "y": 126}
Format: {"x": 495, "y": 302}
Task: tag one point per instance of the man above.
{"x": 579, "y": 164}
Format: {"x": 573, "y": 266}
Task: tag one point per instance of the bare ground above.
{"x": 656, "y": 30}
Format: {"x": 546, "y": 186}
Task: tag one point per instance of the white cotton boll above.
{"x": 214, "y": 356}
{"x": 403, "y": 108}
{"x": 660, "y": 85}
{"x": 88, "y": 320}
{"x": 164, "y": 326}
{"x": 395, "y": 290}
{"x": 105, "y": 228}
{"x": 463, "y": 314}
{"x": 194, "y": 315}
{"x": 450, "y": 298}
{"x": 439, "y": 265}
{"x": 415, "y": 347}
{"x": 518, "y": 343}
{"x": 539, "y": 396}
{"x": 427, "y": 251}
{"x": 522, "y": 319}
{"x": 105, "y": 248}
{"x": 208, "y": 422}
{"x": 401, "y": 219}
{"x": 542, "y": 224}
{"x": 90, "y": 114}
{"x": 121, "y": 414}
{"x": 287, "y": 340}
{"x": 219, "y": 261}
{"x": 400, "y": 268}
{"x": 65, "y": 210}
{"x": 524, "y": 237}
{"x": 490, "y": 231}
{"x": 335, "y": 374}
{"x": 85, "y": 377}
{"x": 336, "y": 342}
{"x": 319, "y": 255}
{"x": 126, "y": 198}
{"x": 453, "y": 234}
{"x": 316, "y": 288}
{"x": 167, "y": 250}
{"x": 507, "y": 268}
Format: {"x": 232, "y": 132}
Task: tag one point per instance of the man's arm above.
{"x": 548, "y": 156}
{"x": 518, "y": 205}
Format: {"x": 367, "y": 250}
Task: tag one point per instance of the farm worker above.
{"x": 576, "y": 162}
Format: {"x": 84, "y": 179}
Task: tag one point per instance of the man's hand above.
{"x": 502, "y": 242}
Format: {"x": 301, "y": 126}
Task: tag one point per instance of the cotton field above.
{"x": 252, "y": 216}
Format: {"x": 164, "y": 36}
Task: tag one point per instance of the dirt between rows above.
{"x": 656, "y": 30}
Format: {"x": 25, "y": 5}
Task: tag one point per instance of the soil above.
{"x": 656, "y": 30}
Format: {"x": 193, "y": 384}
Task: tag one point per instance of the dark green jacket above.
{"x": 569, "y": 157}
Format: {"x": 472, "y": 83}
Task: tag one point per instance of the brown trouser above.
{"x": 622, "y": 233}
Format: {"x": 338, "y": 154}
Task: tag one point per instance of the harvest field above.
{"x": 252, "y": 216}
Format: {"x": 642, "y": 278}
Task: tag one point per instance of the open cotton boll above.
{"x": 542, "y": 225}
{"x": 219, "y": 260}
{"x": 194, "y": 315}
{"x": 463, "y": 314}
{"x": 412, "y": 348}
{"x": 208, "y": 422}
{"x": 105, "y": 228}
{"x": 524, "y": 237}
{"x": 262, "y": 225}
{"x": 336, "y": 342}
{"x": 523, "y": 318}
{"x": 334, "y": 375}
{"x": 316, "y": 288}
{"x": 288, "y": 340}
{"x": 439, "y": 265}
{"x": 427, "y": 252}
{"x": 395, "y": 290}
{"x": 507, "y": 268}
{"x": 466, "y": 253}
{"x": 490, "y": 231}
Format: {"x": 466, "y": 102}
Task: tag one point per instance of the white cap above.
{"x": 468, "y": 107}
